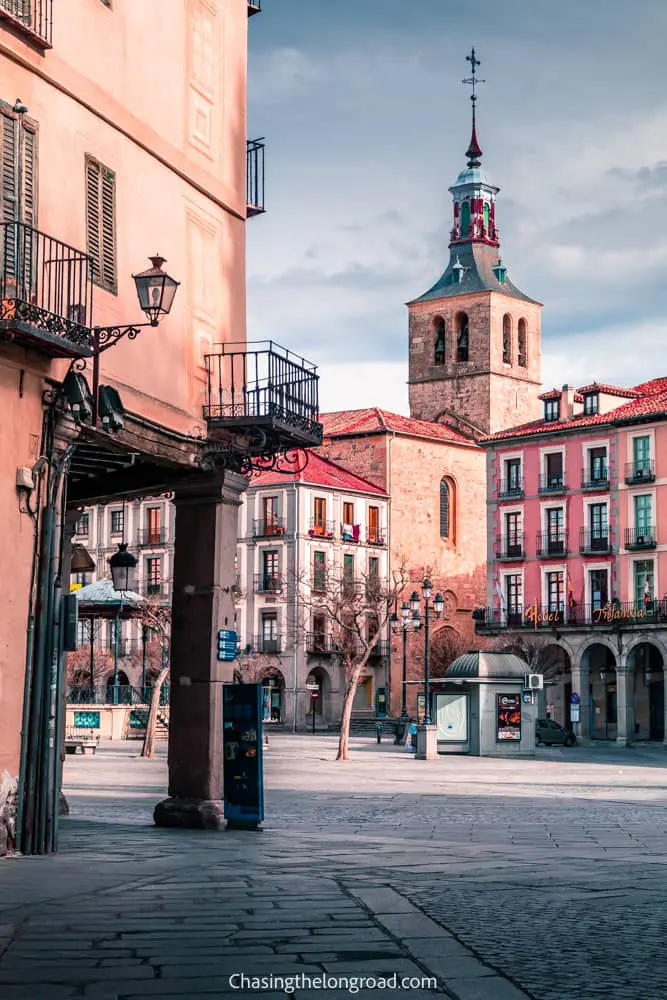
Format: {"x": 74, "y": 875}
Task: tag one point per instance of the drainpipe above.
{"x": 296, "y": 605}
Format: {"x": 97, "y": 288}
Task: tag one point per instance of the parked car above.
{"x": 548, "y": 731}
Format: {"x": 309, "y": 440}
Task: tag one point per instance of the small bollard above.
{"x": 378, "y": 729}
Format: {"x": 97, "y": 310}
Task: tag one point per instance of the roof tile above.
{"x": 375, "y": 420}
{"x": 318, "y": 472}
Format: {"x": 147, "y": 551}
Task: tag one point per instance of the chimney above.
{"x": 567, "y": 403}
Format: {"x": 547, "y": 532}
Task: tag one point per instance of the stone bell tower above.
{"x": 475, "y": 341}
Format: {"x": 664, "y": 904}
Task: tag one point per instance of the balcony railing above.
{"x": 152, "y": 536}
{"x": 640, "y": 538}
{"x": 154, "y": 588}
{"x": 321, "y": 529}
{"x": 350, "y": 533}
{"x": 254, "y": 7}
{"x": 273, "y": 528}
{"x": 121, "y": 694}
{"x": 32, "y": 19}
{"x": 594, "y": 542}
{"x": 265, "y": 394}
{"x": 375, "y": 535}
{"x": 551, "y": 543}
{"x": 510, "y": 547}
{"x": 46, "y": 292}
{"x": 267, "y": 644}
{"x": 610, "y": 614}
{"x": 510, "y": 489}
{"x": 639, "y": 472}
{"x": 597, "y": 481}
{"x": 318, "y": 643}
{"x": 550, "y": 484}
{"x": 268, "y": 583}
{"x": 254, "y": 177}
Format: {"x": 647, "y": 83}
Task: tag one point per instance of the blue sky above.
{"x": 366, "y": 124}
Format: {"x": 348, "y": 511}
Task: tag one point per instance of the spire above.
{"x": 474, "y": 151}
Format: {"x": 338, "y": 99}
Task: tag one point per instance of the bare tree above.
{"x": 78, "y": 661}
{"x": 539, "y": 652}
{"x": 446, "y": 645}
{"x": 357, "y": 613}
{"x": 157, "y": 618}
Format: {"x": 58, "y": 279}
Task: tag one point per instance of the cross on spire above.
{"x": 474, "y": 150}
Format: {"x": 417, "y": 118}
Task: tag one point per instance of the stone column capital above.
{"x": 216, "y": 487}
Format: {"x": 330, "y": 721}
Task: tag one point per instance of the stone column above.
{"x": 625, "y": 716}
{"x": 203, "y": 602}
{"x": 580, "y": 685}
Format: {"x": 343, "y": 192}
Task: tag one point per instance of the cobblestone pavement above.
{"x": 504, "y": 880}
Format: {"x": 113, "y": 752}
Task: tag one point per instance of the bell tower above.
{"x": 474, "y": 337}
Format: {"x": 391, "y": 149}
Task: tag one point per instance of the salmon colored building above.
{"x": 577, "y": 554}
{"x": 123, "y": 135}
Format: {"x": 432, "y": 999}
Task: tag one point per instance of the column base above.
{"x": 427, "y": 742}
{"x": 190, "y": 814}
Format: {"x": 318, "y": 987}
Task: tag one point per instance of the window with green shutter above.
{"x": 101, "y": 223}
{"x": 17, "y": 136}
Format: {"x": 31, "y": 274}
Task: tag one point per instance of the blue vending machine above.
{"x": 243, "y": 770}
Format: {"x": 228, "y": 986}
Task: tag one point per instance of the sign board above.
{"x": 421, "y": 703}
{"x": 508, "y": 717}
{"x": 575, "y": 698}
{"x": 242, "y": 755}
{"x": 312, "y": 687}
{"x": 527, "y": 697}
{"x": 574, "y": 713}
{"x": 381, "y": 703}
{"x": 228, "y": 644}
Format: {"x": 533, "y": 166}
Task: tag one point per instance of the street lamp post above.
{"x": 427, "y": 745}
{"x": 408, "y": 621}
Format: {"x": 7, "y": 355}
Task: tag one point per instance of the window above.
{"x": 81, "y": 578}
{"x": 551, "y": 409}
{"x": 486, "y": 218}
{"x": 599, "y": 526}
{"x": 348, "y": 571}
{"x": 555, "y": 517}
{"x": 154, "y": 534}
{"x": 319, "y": 571}
{"x": 641, "y": 453}
{"x": 319, "y": 515}
{"x": 514, "y": 598}
{"x": 319, "y": 633}
{"x": 513, "y": 534}
{"x": 644, "y": 583}
{"x": 465, "y": 218}
{"x": 270, "y": 515}
{"x": 555, "y": 590}
{"x": 117, "y": 522}
{"x": 522, "y": 349}
{"x": 348, "y": 514}
{"x": 439, "y": 352}
{"x": 83, "y": 627}
{"x": 270, "y": 570}
{"x": 269, "y": 636}
{"x": 591, "y": 403}
{"x": 83, "y": 524}
{"x": 462, "y": 338}
{"x": 599, "y": 587}
{"x": 447, "y": 509}
{"x": 513, "y": 475}
{"x": 597, "y": 459}
{"x": 9, "y": 183}
{"x": 373, "y": 582}
{"x": 643, "y": 518}
{"x": 554, "y": 468}
{"x": 507, "y": 340}
{"x": 101, "y": 223}
{"x": 153, "y": 576}
{"x": 373, "y": 524}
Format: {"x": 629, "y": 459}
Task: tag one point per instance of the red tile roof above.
{"x": 610, "y": 390}
{"x": 558, "y": 394}
{"x": 650, "y": 388}
{"x": 319, "y": 472}
{"x": 373, "y": 420}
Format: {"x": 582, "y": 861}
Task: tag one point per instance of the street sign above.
{"x": 312, "y": 687}
{"x": 574, "y": 713}
{"x": 243, "y": 772}
{"x": 575, "y": 698}
{"x": 228, "y": 644}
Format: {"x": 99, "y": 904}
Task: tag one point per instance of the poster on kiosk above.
{"x": 243, "y": 764}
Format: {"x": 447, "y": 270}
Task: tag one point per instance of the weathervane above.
{"x": 474, "y": 150}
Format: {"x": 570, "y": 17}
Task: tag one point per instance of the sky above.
{"x": 366, "y": 123}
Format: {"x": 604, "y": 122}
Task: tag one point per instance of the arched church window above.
{"x": 522, "y": 348}
{"x": 462, "y": 337}
{"x": 447, "y": 508}
{"x": 439, "y": 330}
{"x": 465, "y": 218}
{"x": 486, "y": 218}
{"x": 507, "y": 340}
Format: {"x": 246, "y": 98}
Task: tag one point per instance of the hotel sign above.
{"x": 610, "y": 613}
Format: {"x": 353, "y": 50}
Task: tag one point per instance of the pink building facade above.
{"x": 577, "y": 555}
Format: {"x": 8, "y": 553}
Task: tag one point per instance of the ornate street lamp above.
{"x": 409, "y": 621}
{"x": 122, "y": 565}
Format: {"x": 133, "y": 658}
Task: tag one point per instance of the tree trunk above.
{"x": 344, "y": 738}
{"x": 151, "y": 725}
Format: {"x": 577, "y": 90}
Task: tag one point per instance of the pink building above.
{"x": 577, "y": 555}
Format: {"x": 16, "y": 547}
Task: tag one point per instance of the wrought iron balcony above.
{"x": 375, "y": 535}
{"x": 316, "y": 642}
{"x": 639, "y": 472}
{"x": 381, "y": 649}
{"x": 266, "y": 644}
{"x": 46, "y": 292}
{"x": 254, "y": 7}
{"x": 31, "y": 19}
{"x": 510, "y": 489}
{"x": 254, "y": 195}
{"x": 550, "y": 484}
{"x": 551, "y": 543}
{"x": 268, "y": 583}
{"x": 610, "y": 614}
{"x": 510, "y": 547}
{"x": 321, "y": 529}
{"x": 591, "y": 481}
{"x": 155, "y": 588}
{"x": 640, "y": 538}
{"x": 263, "y": 394}
{"x": 350, "y": 533}
{"x": 269, "y": 528}
{"x": 594, "y": 542}
{"x": 152, "y": 536}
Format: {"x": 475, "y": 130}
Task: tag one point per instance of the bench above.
{"x": 81, "y": 741}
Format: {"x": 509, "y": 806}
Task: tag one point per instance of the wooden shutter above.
{"x": 101, "y": 223}
{"x": 8, "y": 169}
